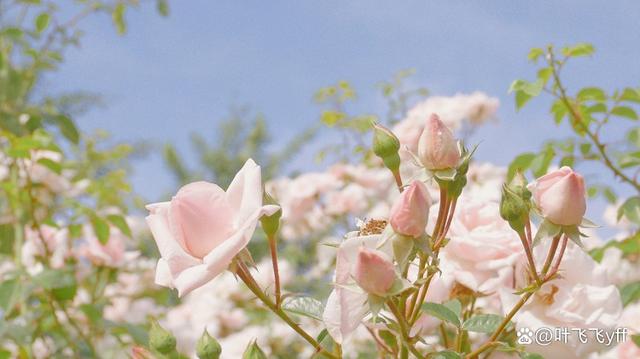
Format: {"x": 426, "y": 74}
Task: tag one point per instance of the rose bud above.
{"x": 560, "y": 196}
{"x": 386, "y": 146}
{"x": 373, "y": 271}
{"x": 410, "y": 212}
{"x": 208, "y": 347}
{"x": 161, "y": 339}
{"x": 437, "y": 148}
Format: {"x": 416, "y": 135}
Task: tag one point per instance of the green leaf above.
{"x": 163, "y": 7}
{"x": 592, "y": 94}
{"x": 524, "y": 90}
{"x": 630, "y": 209}
{"x": 51, "y": 164}
{"x": 582, "y": 49}
{"x": 636, "y": 339}
{"x": 624, "y": 111}
{"x": 520, "y": 163}
{"x": 630, "y": 293}
{"x": 9, "y": 293}
{"x": 441, "y": 312}
{"x": 68, "y": 128}
{"x": 42, "y": 22}
{"x": 61, "y": 283}
{"x": 546, "y": 230}
{"x": 101, "y": 229}
{"x": 331, "y": 118}
{"x": 630, "y": 95}
{"x": 455, "y": 306}
{"x": 306, "y": 306}
{"x": 120, "y": 223}
{"x": 118, "y": 18}
{"x": 535, "y": 53}
{"x": 483, "y": 323}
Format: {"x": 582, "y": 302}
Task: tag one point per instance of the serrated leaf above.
{"x": 520, "y": 163}
{"x": 455, "y": 306}
{"x": 163, "y": 7}
{"x": 441, "y": 312}
{"x": 483, "y": 323}
{"x": 51, "y": 164}
{"x": 305, "y": 306}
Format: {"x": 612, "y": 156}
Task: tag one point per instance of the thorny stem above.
{"x": 577, "y": 119}
{"x": 276, "y": 273}
{"x": 244, "y": 274}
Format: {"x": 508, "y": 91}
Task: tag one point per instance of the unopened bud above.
{"x": 437, "y": 148}
{"x": 374, "y": 271}
{"x": 161, "y": 339}
{"x": 513, "y": 208}
{"x": 253, "y": 351}
{"x": 410, "y": 212}
{"x": 208, "y": 347}
{"x": 270, "y": 224}
{"x": 519, "y": 185}
{"x": 386, "y": 146}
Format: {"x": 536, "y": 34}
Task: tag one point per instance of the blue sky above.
{"x": 169, "y": 77}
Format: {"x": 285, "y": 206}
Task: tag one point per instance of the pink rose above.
{"x": 374, "y": 271}
{"x": 437, "y": 148}
{"x": 110, "y": 254}
{"x": 347, "y": 303}
{"x": 483, "y": 248}
{"x": 560, "y": 195}
{"x": 582, "y": 298}
{"x": 410, "y": 212}
{"x": 202, "y": 228}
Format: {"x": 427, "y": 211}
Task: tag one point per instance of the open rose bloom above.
{"x": 203, "y": 228}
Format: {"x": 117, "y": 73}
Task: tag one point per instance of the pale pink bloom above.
{"x": 560, "y": 195}
{"x": 203, "y": 228}
{"x": 437, "y": 148}
{"x": 456, "y": 112}
{"x": 410, "y": 212}
{"x": 56, "y": 242}
{"x": 352, "y": 199}
{"x": 39, "y": 173}
{"x": 483, "y": 249}
{"x": 346, "y": 306}
{"x": 582, "y": 298}
{"x": 628, "y": 350}
{"x": 374, "y": 271}
{"x": 110, "y": 254}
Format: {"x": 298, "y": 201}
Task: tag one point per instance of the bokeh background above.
{"x": 170, "y": 77}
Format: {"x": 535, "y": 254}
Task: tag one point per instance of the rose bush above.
{"x": 406, "y": 248}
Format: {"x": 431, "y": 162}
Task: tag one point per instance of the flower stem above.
{"x": 396, "y": 176}
{"x": 532, "y": 264}
{"x": 276, "y": 273}
{"x": 404, "y": 331}
{"x": 244, "y": 274}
